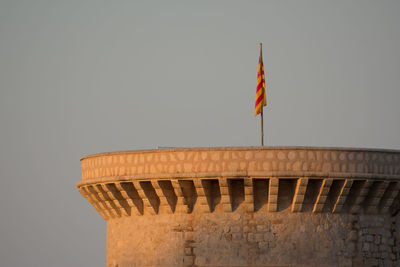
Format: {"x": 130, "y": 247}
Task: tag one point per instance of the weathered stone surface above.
{"x": 207, "y": 162}
{"x": 247, "y": 206}
{"x": 130, "y": 239}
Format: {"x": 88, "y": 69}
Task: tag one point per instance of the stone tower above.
{"x": 247, "y": 206}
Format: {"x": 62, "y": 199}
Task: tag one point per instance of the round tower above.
{"x": 247, "y": 206}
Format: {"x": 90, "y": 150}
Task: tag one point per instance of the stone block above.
{"x": 371, "y": 262}
{"x": 345, "y": 263}
{"x": 393, "y": 256}
{"x": 302, "y": 190}
{"x": 377, "y": 239}
{"x": 272, "y": 244}
{"x": 347, "y": 254}
{"x": 365, "y": 246}
{"x": 189, "y": 235}
{"x": 237, "y": 236}
{"x": 261, "y": 228}
{"x": 252, "y": 222}
{"x": 250, "y": 237}
{"x": 273, "y": 190}
{"x": 297, "y": 207}
{"x": 200, "y": 261}
{"x": 227, "y": 229}
{"x": 273, "y": 198}
{"x": 236, "y": 229}
{"x": 262, "y": 245}
{"x": 277, "y": 227}
{"x": 188, "y": 251}
{"x": 353, "y": 235}
{"x": 258, "y": 237}
{"x": 228, "y": 237}
{"x": 188, "y": 260}
{"x": 367, "y": 254}
{"x": 190, "y": 243}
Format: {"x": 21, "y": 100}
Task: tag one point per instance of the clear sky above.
{"x": 81, "y": 77}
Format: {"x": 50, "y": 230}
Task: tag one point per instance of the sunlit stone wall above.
{"x": 247, "y": 206}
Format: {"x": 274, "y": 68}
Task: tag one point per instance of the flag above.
{"x": 261, "y": 99}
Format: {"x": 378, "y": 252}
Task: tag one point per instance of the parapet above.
{"x": 339, "y": 180}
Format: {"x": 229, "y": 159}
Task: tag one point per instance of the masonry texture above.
{"x": 247, "y": 206}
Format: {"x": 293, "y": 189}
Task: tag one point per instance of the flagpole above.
{"x": 262, "y": 107}
{"x": 262, "y": 126}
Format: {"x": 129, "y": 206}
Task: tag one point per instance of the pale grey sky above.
{"x": 81, "y": 77}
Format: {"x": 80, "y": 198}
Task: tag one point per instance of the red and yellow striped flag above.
{"x": 261, "y": 99}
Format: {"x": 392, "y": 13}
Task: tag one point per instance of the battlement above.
{"x": 209, "y": 179}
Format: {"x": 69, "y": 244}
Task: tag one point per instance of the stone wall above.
{"x": 252, "y": 239}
